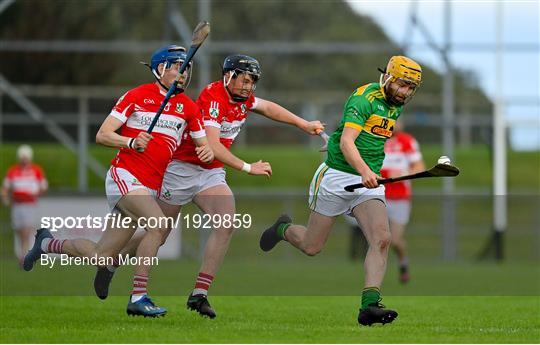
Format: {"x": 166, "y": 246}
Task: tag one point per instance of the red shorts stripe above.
{"x": 123, "y": 182}
{"x": 121, "y": 185}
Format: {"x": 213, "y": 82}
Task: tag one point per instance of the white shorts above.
{"x": 399, "y": 211}
{"x": 327, "y": 194}
{"x": 119, "y": 182}
{"x": 24, "y": 215}
{"x": 182, "y": 181}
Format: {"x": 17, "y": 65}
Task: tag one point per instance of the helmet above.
{"x": 168, "y": 55}
{"x": 405, "y": 69}
{"x": 24, "y": 152}
{"x": 242, "y": 64}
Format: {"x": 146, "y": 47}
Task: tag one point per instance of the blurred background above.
{"x": 65, "y": 63}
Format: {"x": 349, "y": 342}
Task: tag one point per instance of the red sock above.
{"x": 203, "y": 284}
{"x": 55, "y": 246}
{"x": 139, "y": 285}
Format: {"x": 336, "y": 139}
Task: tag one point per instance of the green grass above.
{"x": 284, "y": 273}
{"x": 286, "y": 297}
{"x": 260, "y": 319}
{"x": 293, "y": 166}
{"x": 272, "y": 299}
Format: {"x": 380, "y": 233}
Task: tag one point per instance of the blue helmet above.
{"x": 169, "y": 55}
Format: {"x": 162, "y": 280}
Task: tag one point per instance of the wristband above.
{"x": 246, "y": 167}
{"x": 130, "y": 143}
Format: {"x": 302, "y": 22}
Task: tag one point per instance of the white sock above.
{"x": 45, "y": 244}
{"x": 200, "y": 292}
{"x": 135, "y": 298}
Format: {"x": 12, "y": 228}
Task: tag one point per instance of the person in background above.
{"x": 23, "y": 184}
{"x": 402, "y": 157}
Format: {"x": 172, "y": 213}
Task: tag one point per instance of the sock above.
{"x": 282, "y": 228}
{"x": 51, "y": 245}
{"x": 404, "y": 262}
{"x": 202, "y": 284}
{"x": 370, "y": 295}
{"x": 114, "y": 266}
{"x": 139, "y": 287}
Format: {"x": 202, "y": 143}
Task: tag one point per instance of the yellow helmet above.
{"x": 404, "y": 68}
{"x": 400, "y": 68}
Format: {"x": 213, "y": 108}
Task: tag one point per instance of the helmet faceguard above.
{"x": 240, "y": 65}
{"x": 406, "y": 73}
{"x": 169, "y": 56}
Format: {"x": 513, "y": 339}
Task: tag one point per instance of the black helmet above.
{"x": 242, "y": 64}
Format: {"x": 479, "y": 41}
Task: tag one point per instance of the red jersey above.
{"x": 25, "y": 183}
{"x": 136, "y": 109}
{"x": 218, "y": 111}
{"x": 401, "y": 150}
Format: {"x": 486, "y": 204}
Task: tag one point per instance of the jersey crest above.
{"x": 180, "y": 108}
{"x": 214, "y": 110}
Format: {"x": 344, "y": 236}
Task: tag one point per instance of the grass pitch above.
{"x": 276, "y": 319}
{"x": 443, "y": 303}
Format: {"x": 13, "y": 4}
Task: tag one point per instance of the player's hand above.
{"x": 141, "y": 141}
{"x": 205, "y": 153}
{"x": 370, "y": 179}
{"x": 314, "y": 127}
{"x": 261, "y": 168}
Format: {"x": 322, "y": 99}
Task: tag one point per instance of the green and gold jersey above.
{"x": 367, "y": 111}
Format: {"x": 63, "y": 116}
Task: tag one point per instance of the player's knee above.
{"x": 225, "y": 233}
{"x": 105, "y": 254}
{"x": 382, "y": 239}
{"x": 157, "y": 235}
{"x": 312, "y": 250}
{"x": 163, "y": 240}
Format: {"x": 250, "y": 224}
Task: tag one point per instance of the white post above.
{"x": 449, "y": 226}
{"x": 499, "y": 144}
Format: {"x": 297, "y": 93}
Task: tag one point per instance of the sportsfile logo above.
{"x": 117, "y": 221}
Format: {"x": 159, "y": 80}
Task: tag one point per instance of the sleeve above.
{"x": 357, "y": 110}
{"x": 252, "y": 102}
{"x": 212, "y": 110}
{"x": 124, "y": 107}
{"x": 42, "y": 180}
{"x": 412, "y": 150}
{"x": 195, "y": 123}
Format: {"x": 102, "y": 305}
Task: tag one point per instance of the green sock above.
{"x": 282, "y": 228}
{"x": 370, "y": 295}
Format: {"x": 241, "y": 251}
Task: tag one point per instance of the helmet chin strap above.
{"x": 226, "y": 82}
{"x": 388, "y": 96}
{"x": 179, "y": 87}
